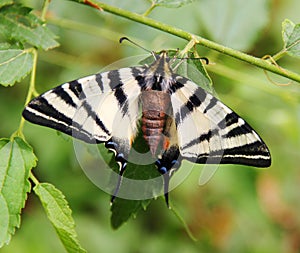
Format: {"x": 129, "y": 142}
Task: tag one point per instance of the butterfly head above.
{"x": 159, "y": 75}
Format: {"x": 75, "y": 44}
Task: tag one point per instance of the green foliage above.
{"x": 196, "y": 72}
{"x": 17, "y": 159}
{"x": 6, "y": 2}
{"x": 123, "y": 209}
{"x": 15, "y": 64}
{"x": 18, "y": 24}
{"x": 291, "y": 37}
{"x": 20, "y": 27}
{"x": 59, "y": 213}
{"x": 228, "y": 214}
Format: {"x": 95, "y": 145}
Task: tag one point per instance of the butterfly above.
{"x": 178, "y": 119}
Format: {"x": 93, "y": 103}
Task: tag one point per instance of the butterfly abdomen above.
{"x": 155, "y": 106}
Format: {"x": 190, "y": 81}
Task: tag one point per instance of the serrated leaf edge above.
{"x": 14, "y": 79}
{"x": 61, "y": 228}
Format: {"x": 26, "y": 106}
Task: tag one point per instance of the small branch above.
{"x": 32, "y": 78}
{"x": 34, "y": 179}
{"x": 45, "y": 9}
{"x": 199, "y": 40}
{"x": 258, "y": 62}
{"x": 91, "y": 3}
{"x": 146, "y": 21}
{"x": 149, "y": 10}
{"x": 31, "y": 89}
{"x": 279, "y": 55}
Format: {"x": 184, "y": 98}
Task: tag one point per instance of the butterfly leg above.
{"x": 122, "y": 162}
{"x": 166, "y": 166}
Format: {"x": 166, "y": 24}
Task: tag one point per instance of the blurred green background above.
{"x": 241, "y": 209}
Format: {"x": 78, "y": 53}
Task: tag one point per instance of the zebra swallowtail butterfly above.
{"x": 180, "y": 120}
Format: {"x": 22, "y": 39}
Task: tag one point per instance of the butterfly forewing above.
{"x": 87, "y": 108}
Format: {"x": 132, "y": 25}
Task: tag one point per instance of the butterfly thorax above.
{"x": 156, "y": 103}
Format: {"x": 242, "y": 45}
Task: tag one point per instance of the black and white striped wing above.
{"x": 209, "y": 132}
{"x": 93, "y": 108}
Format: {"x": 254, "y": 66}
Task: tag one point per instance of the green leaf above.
{"x": 123, "y": 209}
{"x": 5, "y": 2}
{"x": 15, "y": 64}
{"x": 17, "y": 159}
{"x": 202, "y": 78}
{"x": 194, "y": 70}
{"x": 17, "y": 23}
{"x": 228, "y": 21}
{"x": 60, "y": 215}
{"x": 171, "y": 3}
{"x": 4, "y": 46}
{"x": 291, "y": 37}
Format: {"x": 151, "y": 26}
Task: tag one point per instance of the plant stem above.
{"x": 34, "y": 179}
{"x": 32, "y": 77}
{"x": 150, "y": 9}
{"x": 199, "y": 40}
{"x": 45, "y": 9}
{"x": 31, "y": 89}
{"x": 279, "y": 55}
{"x": 146, "y": 21}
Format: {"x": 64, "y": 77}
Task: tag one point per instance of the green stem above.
{"x": 146, "y": 21}
{"x": 252, "y": 80}
{"x": 45, "y": 9}
{"x": 279, "y": 55}
{"x": 199, "y": 40}
{"x": 147, "y": 12}
{"x": 34, "y": 179}
{"x": 31, "y": 89}
{"x": 32, "y": 77}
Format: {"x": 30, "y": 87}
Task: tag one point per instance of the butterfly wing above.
{"x": 209, "y": 132}
{"x": 92, "y": 108}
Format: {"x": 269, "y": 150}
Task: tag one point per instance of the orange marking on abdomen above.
{"x": 166, "y": 143}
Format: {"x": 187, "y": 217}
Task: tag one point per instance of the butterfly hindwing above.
{"x": 217, "y": 134}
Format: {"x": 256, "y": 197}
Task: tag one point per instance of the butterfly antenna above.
{"x": 134, "y": 43}
{"x": 205, "y": 59}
